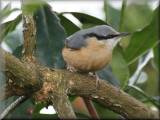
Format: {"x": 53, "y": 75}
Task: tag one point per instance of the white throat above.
{"x": 113, "y": 42}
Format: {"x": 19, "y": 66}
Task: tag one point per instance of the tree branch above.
{"x": 29, "y": 47}
{"x": 15, "y": 69}
{"x": 63, "y": 106}
{"x": 29, "y": 32}
{"x": 74, "y": 84}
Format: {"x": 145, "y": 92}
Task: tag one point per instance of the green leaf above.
{"x": 81, "y": 116}
{"x": 38, "y": 107}
{"x": 119, "y": 66}
{"x": 6, "y": 102}
{"x": 10, "y": 26}
{"x": 22, "y": 111}
{"x": 124, "y": 4}
{"x": 69, "y": 26}
{"x": 72, "y": 97}
{"x": 103, "y": 112}
{"x": 136, "y": 16}
{"x": 86, "y": 19}
{"x": 50, "y": 37}
{"x": 141, "y": 95}
{"x": 31, "y": 6}
{"x": 45, "y": 116}
{"x": 112, "y": 15}
{"x": 6, "y": 11}
{"x": 129, "y": 21}
{"x": 157, "y": 56}
{"x": 106, "y": 74}
{"x": 18, "y": 51}
{"x": 143, "y": 40}
{"x": 150, "y": 86}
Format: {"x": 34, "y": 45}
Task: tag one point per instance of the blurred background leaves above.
{"x": 143, "y": 40}
{"x": 129, "y": 57}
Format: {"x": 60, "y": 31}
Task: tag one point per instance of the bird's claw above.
{"x": 97, "y": 79}
{"x": 71, "y": 69}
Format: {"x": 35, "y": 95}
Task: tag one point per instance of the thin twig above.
{"x": 12, "y": 106}
{"x": 91, "y": 108}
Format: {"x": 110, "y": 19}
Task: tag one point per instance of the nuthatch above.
{"x": 91, "y": 49}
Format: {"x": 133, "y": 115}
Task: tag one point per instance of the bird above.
{"x": 89, "y": 50}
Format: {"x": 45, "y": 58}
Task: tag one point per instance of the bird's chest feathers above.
{"x": 94, "y": 56}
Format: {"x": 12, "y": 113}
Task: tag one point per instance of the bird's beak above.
{"x": 123, "y": 34}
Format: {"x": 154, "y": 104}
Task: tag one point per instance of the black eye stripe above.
{"x": 99, "y": 37}
{"x": 107, "y": 36}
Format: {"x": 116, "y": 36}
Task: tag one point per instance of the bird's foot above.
{"x": 71, "y": 69}
{"x": 97, "y": 79}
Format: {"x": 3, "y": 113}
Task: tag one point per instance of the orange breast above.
{"x": 94, "y": 56}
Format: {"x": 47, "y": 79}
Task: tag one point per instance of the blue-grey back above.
{"x": 78, "y": 39}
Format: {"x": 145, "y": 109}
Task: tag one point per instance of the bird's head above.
{"x": 102, "y": 33}
{"x": 106, "y": 34}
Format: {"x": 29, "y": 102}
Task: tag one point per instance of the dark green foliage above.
{"x": 18, "y": 51}
{"x": 36, "y": 113}
{"x": 22, "y": 111}
{"x": 31, "y": 6}
{"x": 119, "y": 66}
{"x": 50, "y": 38}
{"x": 9, "y": 26}
{"x": 112, "y": 15}
{"x": 104, "y": 113}
{"x": 69, "y": 26}
{"x": 87, "y": 20}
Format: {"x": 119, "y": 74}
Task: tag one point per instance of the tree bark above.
{"x": 56, "y": 80}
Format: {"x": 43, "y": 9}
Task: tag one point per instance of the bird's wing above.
{"x": 75, "y": 41}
